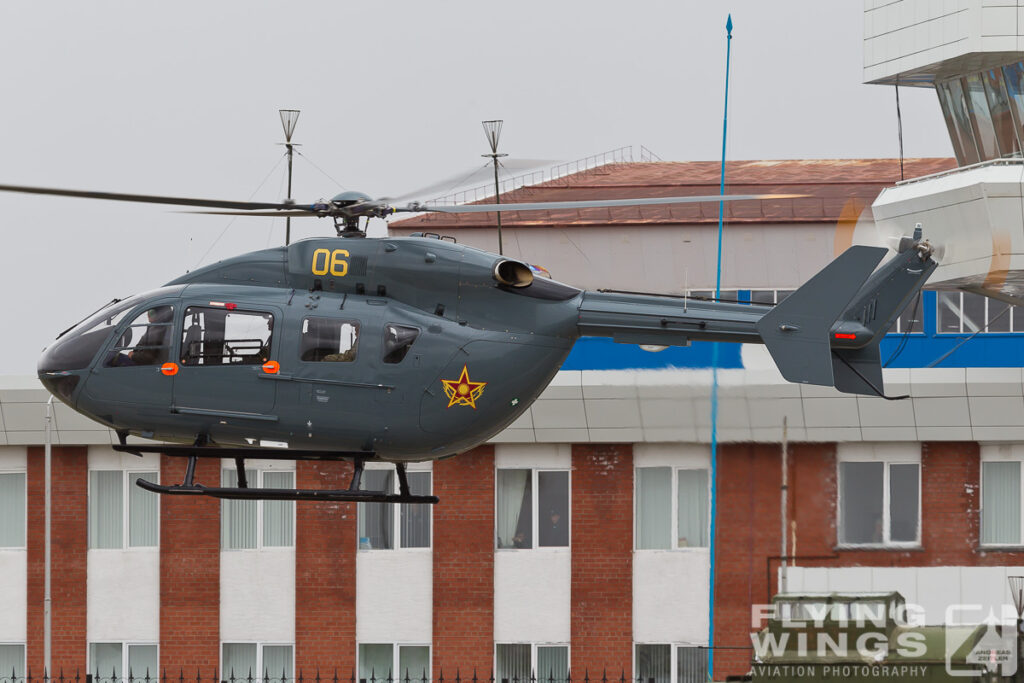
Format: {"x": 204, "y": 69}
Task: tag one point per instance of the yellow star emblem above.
{"x": 461, "y": 391}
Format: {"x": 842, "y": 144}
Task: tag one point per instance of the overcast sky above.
{"x": 181, "y": 99}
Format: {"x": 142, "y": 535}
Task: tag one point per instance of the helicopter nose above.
{"x": 61, "y": 384}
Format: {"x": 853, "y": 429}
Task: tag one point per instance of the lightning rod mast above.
{"x": 289, "y": 117}
{"x": 492, "y": 129}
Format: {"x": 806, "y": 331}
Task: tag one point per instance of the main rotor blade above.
{"x": 286, "y": 213}
{"x": 594, "y": 204}
{"x": 145, "y": 198}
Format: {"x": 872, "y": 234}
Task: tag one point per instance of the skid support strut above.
{"x": 353, "y": 493}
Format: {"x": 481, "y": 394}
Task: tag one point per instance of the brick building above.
{"x": 579, "y": 538}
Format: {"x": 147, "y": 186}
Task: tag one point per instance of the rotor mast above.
{"x": 492, "y": 129}
{"x": 289, "y": 117}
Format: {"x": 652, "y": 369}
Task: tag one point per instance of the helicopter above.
{"x": 405, "y": 349}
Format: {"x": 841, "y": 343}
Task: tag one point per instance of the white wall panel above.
{"x": 123, "y": 595}
{"x": 394, "y": 596}
{"x": 13, "y": 565}
{"x": 670, "y": 596}
{"x": 257, "y": 595}
{"x": 532, "y": 591}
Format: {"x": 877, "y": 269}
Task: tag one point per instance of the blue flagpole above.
{"x": 714, "y": 376}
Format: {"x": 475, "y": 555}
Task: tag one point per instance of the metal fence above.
{"x": 319, "y": 677}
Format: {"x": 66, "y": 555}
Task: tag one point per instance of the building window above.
{"x": 257, "y": 662}
{"x": 879, "y": 501}
{"x": 769, "y": 296}
{"x": 911, "y": 319}
{"x": 327, "y": 340}
{"x": 12, "y": 511}
{"x": 671, "y": 508}
{"x": 387, "y": 661}
{"x": 379, "y": 526}
{"x": 655, "y": 664}
{"x": 1000, "y": 502}
{"x": 12, "y": 661}
{"x": 523, "y": 517}
{"x": 525, "y": 662}
{"x": 257, "y": 524}
{"x": 983, "y": 113}
{"x": 118, "y": 520}
{"x": 966, "y": 313}
{"x": 113, "y": 662}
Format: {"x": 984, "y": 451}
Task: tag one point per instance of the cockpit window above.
{"x": 146, "y": 341}
{"x": 398, "y": 339}
{"x": 327, "y": 340}
{"x": 217, "y": 336}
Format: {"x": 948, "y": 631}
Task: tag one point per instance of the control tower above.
{"x": 971, "y": 52}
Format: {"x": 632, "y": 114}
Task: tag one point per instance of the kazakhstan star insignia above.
{"x": 461, "y": 391}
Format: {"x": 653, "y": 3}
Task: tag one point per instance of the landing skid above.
{"x": 242, "y": 492}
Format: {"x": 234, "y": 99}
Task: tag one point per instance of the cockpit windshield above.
{"x": 76, "y": 347}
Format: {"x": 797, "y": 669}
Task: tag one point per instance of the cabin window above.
{"x": 257, "y": 524}
{"x": 879, "y": 495}
{"x": 218, "y": 336}
{"x": 526, "y": 520}
{"x": 12, "y": 659}
{"x": 257, "y": 663}
{"x": 328, "y": 340}
{"x": 146, "y": 341}
{"x": 12, "y": 513}
{"x": 121, "y": 514}
{"x": 398, "y": 339}
{"x": 671, "y": 508}
{"x": 115, "y": 662}
{"x": 379, "y": 526}
{"x": 390, "y": 662}
{"x": 525, "y": 662}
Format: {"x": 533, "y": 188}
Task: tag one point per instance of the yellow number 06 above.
{"x": 325, "y": 260}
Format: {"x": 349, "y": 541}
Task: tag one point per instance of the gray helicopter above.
{"x": 414, "y": 348}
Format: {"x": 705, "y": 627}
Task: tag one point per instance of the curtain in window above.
{"x": 416, "y": 518}
{"x": 375, "y": 662}
{"x": 691, "y": 665}
{"x": 105, "y": 509}
{"x": 278, "y": 515}
{"x": 413, "y": 661}
{"x": 903, "y": 496}
{"x": 693, "y": 508}
{"x": 861, "y": 502}
{"x": 237, "y": 517}
{"x": 654, "y": 663}
{"x": 513, "y": 664}
{"x": 277, "y": 663}
{"x": 552, "y": 663}
{"x": 142, "y": 661}
{"x": 653, "y": 508}
{"x": 12, "y": 513}
{"x": 12, "y": 661}
{"x": 105, "y": 661}
{"x": 143, "y": 510}
{"x": 1000, "y": 504}
{"x": 515, "y": 525}
{"x": 377, "y": 520}
{"x": 239, "y": 662}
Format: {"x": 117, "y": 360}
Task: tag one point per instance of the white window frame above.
{"x": 128, "y": 477}
{"x": 918, "y": 327}
{"x": 154, "y": 676}
{"x": 960, "y": 315}
{"x": 674, "y": 512}
{"x": 533, "y": 653}
{"x": 888, "y": 455}
{"x": 24, "y": 522}
{"x": 24, "y": 657}
{"x": 397, "y": 676}
{"x": 673, "y": 658}
{"x": 999, "y": 453}
{"x": 258, "y": 673}
{"x": 774, "y": 302}
{"x": 535, "y": 517}
{"x": 396, "y": 520}
{"x": 259, "y": 472}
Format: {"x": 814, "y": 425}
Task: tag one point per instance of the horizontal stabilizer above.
{"x": 796, "y": 331}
